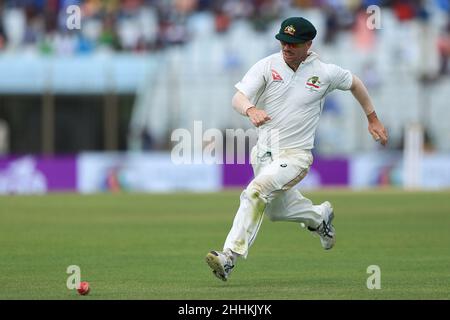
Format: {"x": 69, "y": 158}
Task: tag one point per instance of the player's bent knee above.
{"x": 254, "y": 193}
{"x": 256, "y": 198}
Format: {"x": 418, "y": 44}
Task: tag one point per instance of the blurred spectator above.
{"x": 222, "y": 21}
{"x": 109, "y": 38}
{"x": 331, "y": 24}
{"x": 14, "y": 23}
{"x": 2, "y": 32}
{"x": 444, "y": 49}
{"x": 404, "y": 10}
{"x": 363, "y": 36}
{"x": 264, "y": 12}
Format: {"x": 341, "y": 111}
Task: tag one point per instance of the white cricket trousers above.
{"x": 270, "y": 193}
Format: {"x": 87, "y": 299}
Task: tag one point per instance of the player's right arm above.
{"x": 249, "y": 89}
{"x": 243, "y": 105}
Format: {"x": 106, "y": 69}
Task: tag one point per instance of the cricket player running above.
{"x": 283, "y": 96}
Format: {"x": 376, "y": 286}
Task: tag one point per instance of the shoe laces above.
{"x": 228, "y": 267}
{"x": 325, "y": 230}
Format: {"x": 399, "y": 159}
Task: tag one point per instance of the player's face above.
{"x": 294, "y": 53}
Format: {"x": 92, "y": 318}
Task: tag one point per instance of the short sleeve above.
{"x": 254, "y": 81}
{"x": 341, "y": 79}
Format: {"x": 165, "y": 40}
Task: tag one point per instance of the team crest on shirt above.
{"x": 313, "y": 83}
{"x": 276, "y": 76}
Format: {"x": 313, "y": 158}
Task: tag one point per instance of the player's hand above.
{"x": 377, "y": 130}
{"x": 257, "y": 117}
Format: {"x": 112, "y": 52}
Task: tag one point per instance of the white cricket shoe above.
{"x": 326, "y": 231}
{"x": 220, "y": 263}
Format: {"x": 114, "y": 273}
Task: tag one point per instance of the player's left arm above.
{"x": 376, "y": 128}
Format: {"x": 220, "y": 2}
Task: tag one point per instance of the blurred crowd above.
{"x": 145, "y": 25}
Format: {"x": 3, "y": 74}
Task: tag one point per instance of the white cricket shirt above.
{"x": 293, "y": 99}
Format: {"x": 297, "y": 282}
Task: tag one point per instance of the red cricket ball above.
{"x": 84, "y": 288}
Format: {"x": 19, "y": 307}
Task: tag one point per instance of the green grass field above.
{"x": 135, "y": 246}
